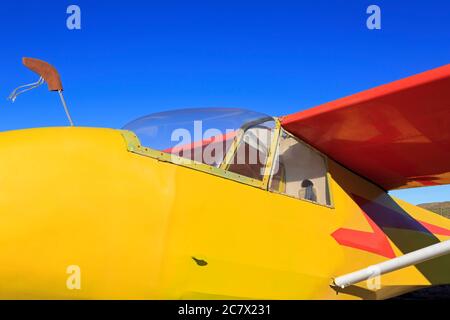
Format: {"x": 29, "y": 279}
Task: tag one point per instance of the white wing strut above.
{"x": 409, "y": 259}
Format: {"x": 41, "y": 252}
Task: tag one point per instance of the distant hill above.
{"x": 442, "y": 208}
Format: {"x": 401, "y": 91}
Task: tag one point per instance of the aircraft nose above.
{"x": 75, "y": 197}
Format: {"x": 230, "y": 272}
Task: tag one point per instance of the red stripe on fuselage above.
{"x": 435, "y": 229}
{"x": 375, "y": 242}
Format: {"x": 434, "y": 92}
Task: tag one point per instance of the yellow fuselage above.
{"x": 139, "y": 228}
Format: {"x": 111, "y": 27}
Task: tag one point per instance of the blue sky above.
{"x": 137, "y": 57}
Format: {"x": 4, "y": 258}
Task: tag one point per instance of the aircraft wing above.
{"x": 396, "y": 135}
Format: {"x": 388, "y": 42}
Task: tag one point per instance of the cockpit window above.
{"x": 202, "y": 135}
{"x": 251, "y": 155}
{"x": 299, "y": 171}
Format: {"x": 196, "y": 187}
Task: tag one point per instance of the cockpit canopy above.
{"x": 243, "y": 145}
{"x": 161, "y": 130}
{"x": 204, "y": 135}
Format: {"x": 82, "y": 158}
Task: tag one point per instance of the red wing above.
{"x": 396, "y": 135}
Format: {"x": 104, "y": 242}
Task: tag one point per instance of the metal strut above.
{"x": 409, "y": 259}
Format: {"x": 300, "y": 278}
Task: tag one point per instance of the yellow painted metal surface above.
{"x": 133, "y": 224}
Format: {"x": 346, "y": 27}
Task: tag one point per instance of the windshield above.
{"x": 203, "y": 135}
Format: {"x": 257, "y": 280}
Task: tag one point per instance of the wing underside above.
{"x": 396, "y": 135}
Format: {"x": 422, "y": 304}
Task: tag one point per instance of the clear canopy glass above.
{"x": 188, "y": 130}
